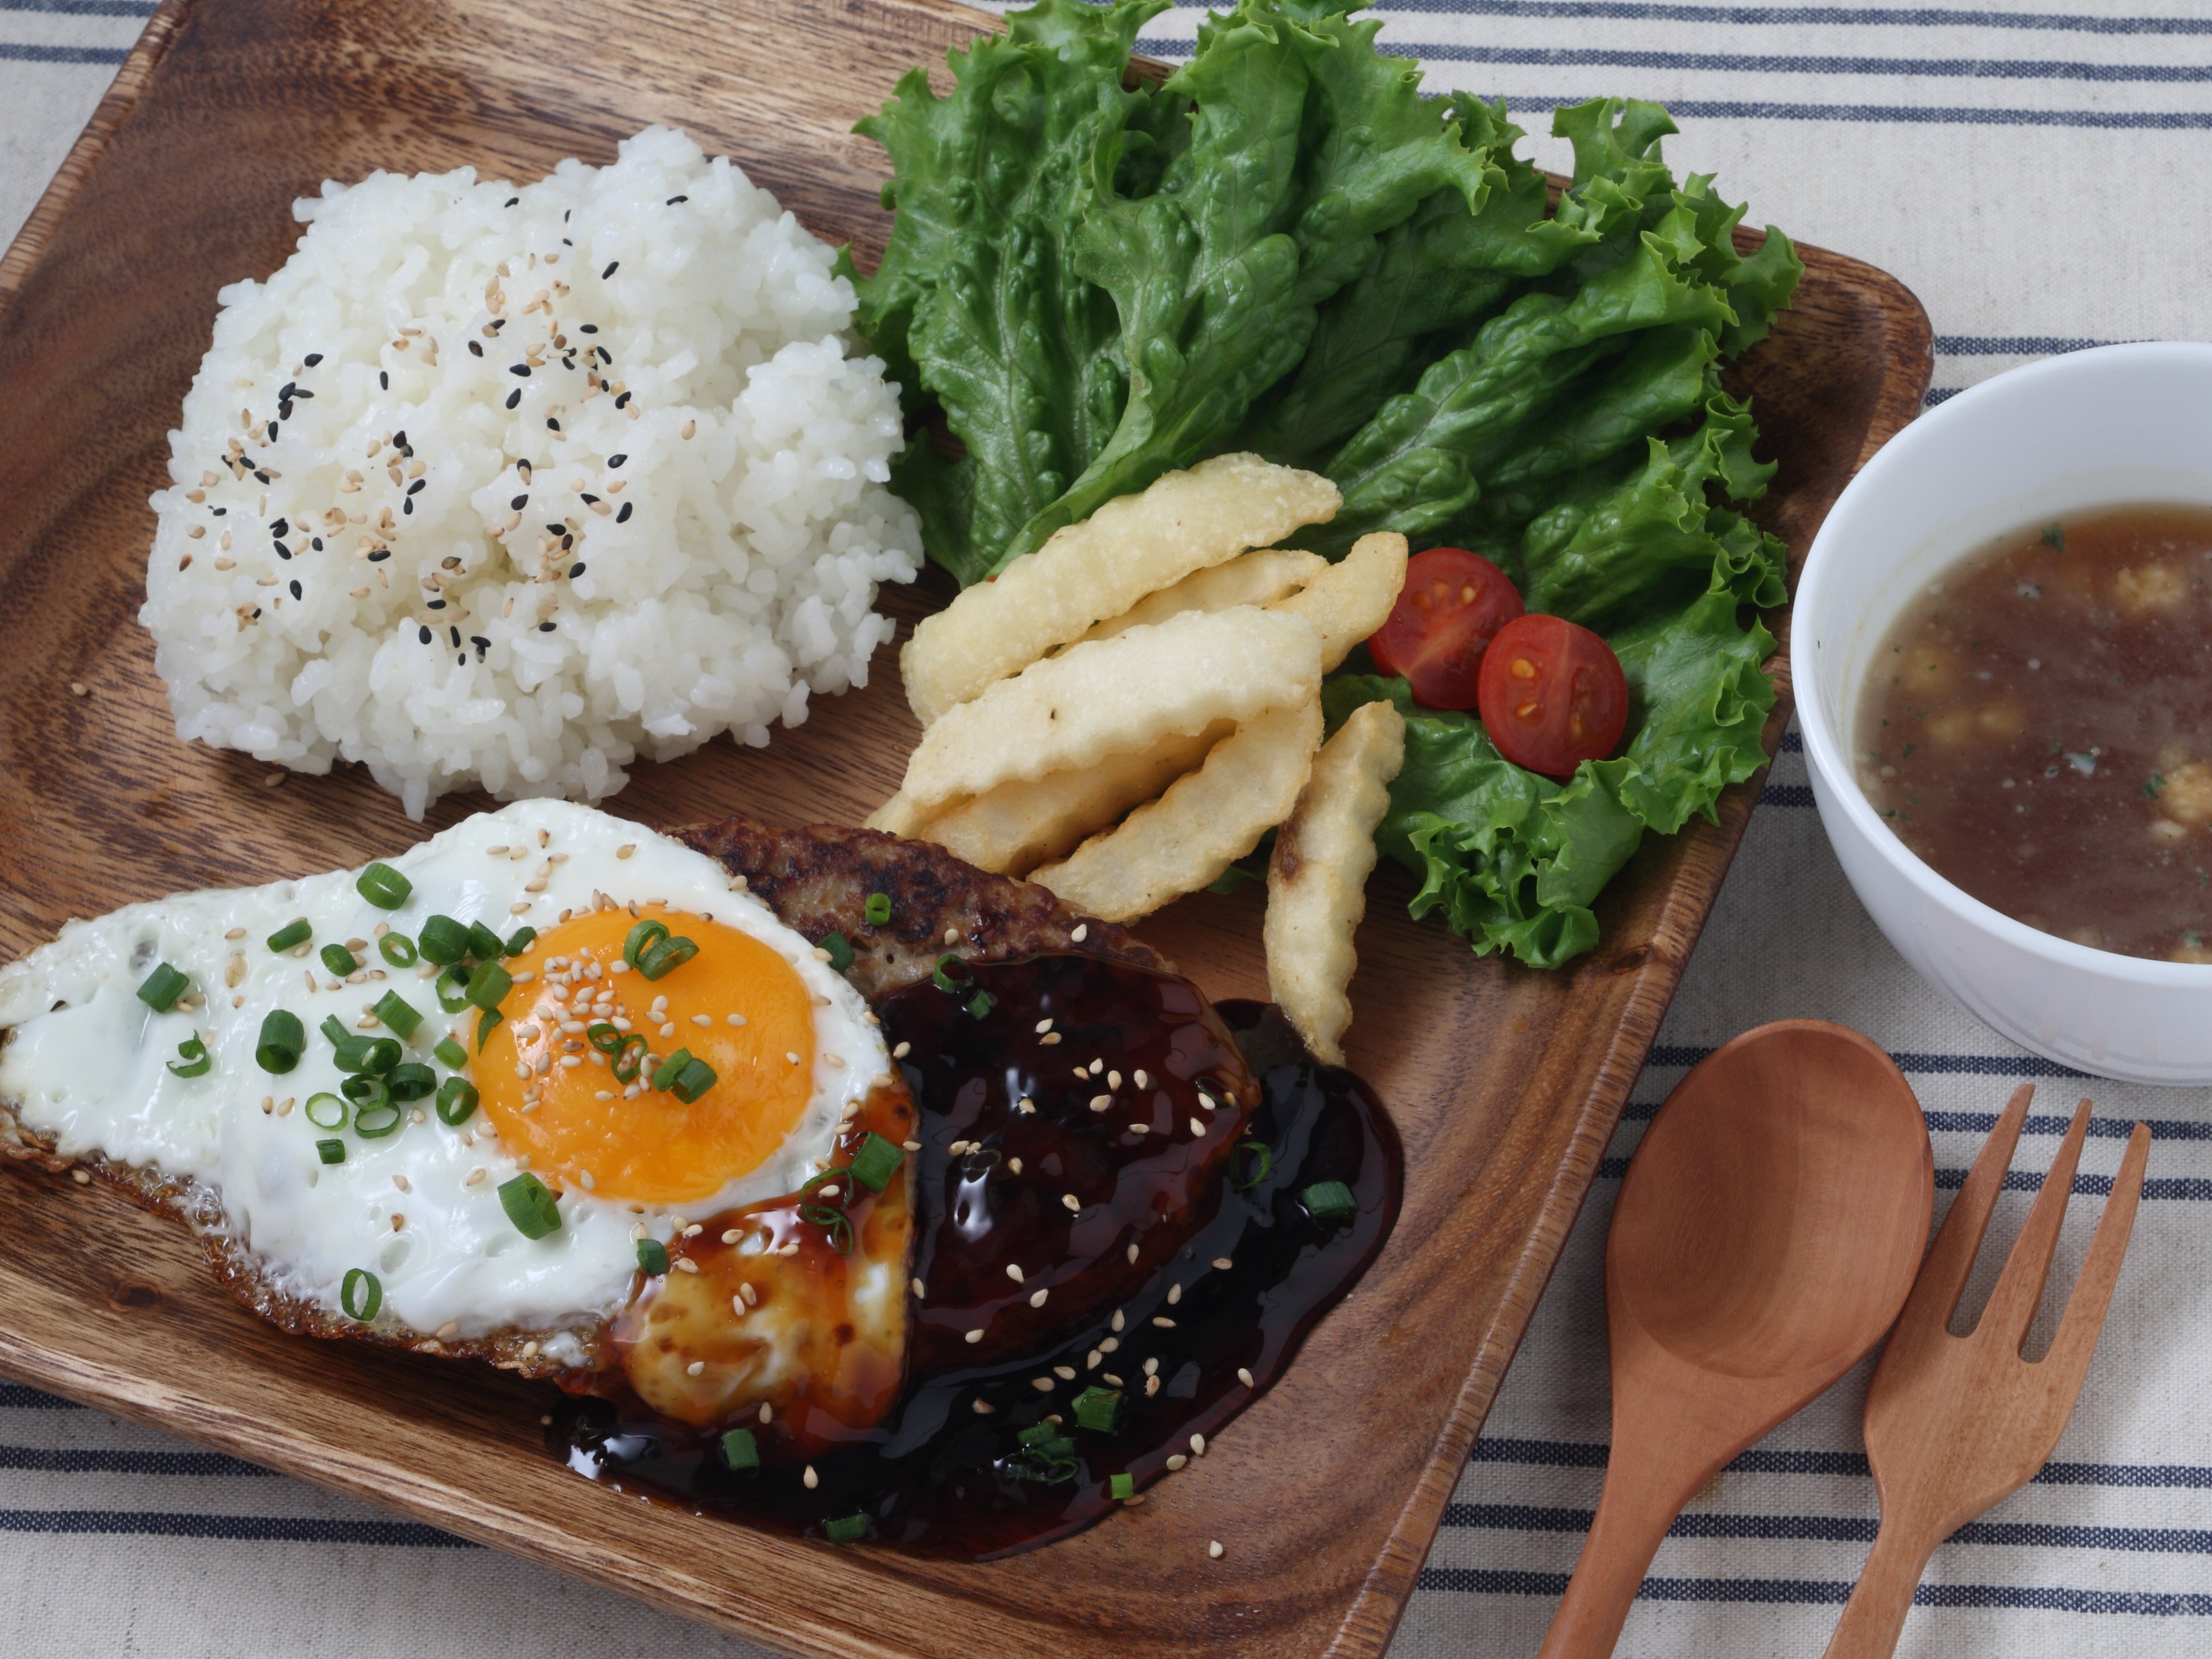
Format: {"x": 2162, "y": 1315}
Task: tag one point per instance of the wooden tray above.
{"x": 1505, "y": 1083}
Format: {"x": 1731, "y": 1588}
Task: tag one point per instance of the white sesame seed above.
{"x": 400, "y": 1181}
{"x": 1132, "y": 1256}
{"x": 603, "y": 1094}
{"x": 1025, "y": 1105}
{"x": 1223, "y": 1263}
{"x": 975, "y": 1335}
{"x": 1014, "y": 1273}
{"x": 1090, "y": 1360}
{"x": 1140, "y": 1080}
{"x": 1100, "y": 1102}
{"x": 669, "y": 1029}
{"x": 449, "y": 1330}
{"x": 1117, "y": 1321}
{"x": 1081, "y": 930}
{"x": 476, "y": 1178}
{"x": 767, "y": 1412}
{"x": 702, "y": 1019}
{"x": 1152, "y": 1367}
{"x": 1163, "y": 1322}
{"x": 687, "y": 1266}
{"x": 1196, "y": 1128}
{"x": 1244, "y": 1376}
{"x": 1036, "y": 1299}
{"x": 1041, "y": 1384}
{"x": 571, "y": 1061}
{"x": 752, "y": 1300}
{"x": 1198, "y": 1444}
{"x": 1213, "y": 1549}
{"x": 694, "y": 1229}
{"x": 902, "y": 1051}
{"x": 1049, "y": 1038}
{"x": 625, "y": 850}
{"x": 731, "y": 1235}
{"x": 1174, "y": 1294}
{"x": 1177, "y": 1460}
{"x": 698, "y": 1367}
{"x": 911, "y": 1145}
{"x": 733, "y": 1019}
{"x": 983, "y": 1407}
{"x": 1070, "y": 1201}
{"x": 1108, "y": 1344}
{"x": 811, "y": 1479}
{"x": 952, "y": 936}
{"x": 1113, "y": 1079}
{"x": 787, "y": 1054}
{"x": 918, "y": 1288}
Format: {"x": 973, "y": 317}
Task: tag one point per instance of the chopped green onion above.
{"x": 671, "y": 1068}
{"x": 412, "y": 1081}
{"x": 193, "y": 1054}
{"x": 360, "y": 1294}
{"x": 377, "y": 1120}
{"x": 877, "y": 1162}
{"x": 487, "y": 1023}
{"x": 398, "y": 1013}
{"x": 693, "y": 1081}
{"x": 946, "y": 980}
{"x": 832, "y": 1221}
{"x": 647, "y": 933}
{"x": 1097, "y": 1408}
{"x": 653, "y": 1256}
{"x": 740, "y": 1451}
{"x": 457, "y": 1100}
{"x": 520, "y": 940}
{"x": 162, "y": 989}
{"x": 631, "y": 1059}
{"x": 877, "y": 910}
{"x": 1040, "y": 1434}
{"x": 452, "y": 986}
{"x": 334, "y": 1028}
{"x": 484, "y": 944}
{"x": 282, "y": 1040}
{"x": 530, "y": 1206}
{"x": 664, "y": 956}
{"x": 365, "y": 1092}
{"x": 488, "y": 985}
{"x": 383, "y": 886}
{"x": 450, "y": 1052}
{"x": 331, "y": 1152}
{"x": 846, "y": 1528}
{"x": 397, "y": 949}
{"x": 443, "y": 941}
{"x": 981, "y": 1004}
{"x": 1121, "y": 1485}
{"x": 840, "y": 948}
{"x": 375, "y": 1055}
{"x": 339, "y": 960}
{"x": 326, "y": 1111}
{"x": 604, "y": 1038}
{"x": 1328, "y": 1200}
{"x": 291, "y": 935}
{"x": 1262, "y": 1166}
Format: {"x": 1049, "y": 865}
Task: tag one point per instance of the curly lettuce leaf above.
{"x": 976, "y": 298}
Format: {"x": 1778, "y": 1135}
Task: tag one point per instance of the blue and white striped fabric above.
{"x": 2043, "y": 181}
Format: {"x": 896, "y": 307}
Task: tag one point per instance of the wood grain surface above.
{"x": 1505, "y": 1083}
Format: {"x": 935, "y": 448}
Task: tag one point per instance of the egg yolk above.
{"x": 555, "y": 1095}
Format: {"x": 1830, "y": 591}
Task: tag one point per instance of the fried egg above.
{"x": 578, "y": 1081}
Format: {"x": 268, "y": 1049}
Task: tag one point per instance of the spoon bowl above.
{"x": 1766, "y": 1234}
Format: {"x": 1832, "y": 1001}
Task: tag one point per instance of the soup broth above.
{"x": 2038, "y": 727}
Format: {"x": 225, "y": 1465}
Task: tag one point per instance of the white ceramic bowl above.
{"x": 2122, "y": 424}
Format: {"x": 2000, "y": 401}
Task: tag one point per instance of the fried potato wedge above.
{"x": 1203, "y": 825}
{"x": 898, "y": 815}
{"x": 1317, "y": 876}
{"x": 1351, "y": 599}
{"x": 1255, "y": 578}
{"x": 1117, "y": 696}
{"x": 1018, "y": 826}
{"x": 1087, "y": 572}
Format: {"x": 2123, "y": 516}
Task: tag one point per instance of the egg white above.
{"x": 85, "y": 1062}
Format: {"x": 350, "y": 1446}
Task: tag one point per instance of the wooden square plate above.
{"x": 1505, "y": 1083}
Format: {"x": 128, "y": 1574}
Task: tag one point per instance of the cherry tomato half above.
{"x": 1453, "y": 604}
{"x": 1553, "y": 694}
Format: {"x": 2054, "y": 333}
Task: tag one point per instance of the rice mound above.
{"x": 652, "y": 509}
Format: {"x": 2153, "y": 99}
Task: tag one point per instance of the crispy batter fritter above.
{"x": 817, "y": 880}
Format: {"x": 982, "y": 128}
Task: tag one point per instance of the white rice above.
{"x": 447, "y": 638}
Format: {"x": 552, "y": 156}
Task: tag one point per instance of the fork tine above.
{"x": 2092, "y": 1290}
{"x": 2011, "y": 1307}
{"x": 1943, "y": 1275}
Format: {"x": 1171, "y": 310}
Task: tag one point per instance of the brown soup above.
{"x": 2038, "y": 727}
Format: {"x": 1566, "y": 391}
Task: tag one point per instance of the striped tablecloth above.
{"x": 2044, "y": 181}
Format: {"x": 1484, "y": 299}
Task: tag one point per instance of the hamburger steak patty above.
{"x": 817, "y": 880}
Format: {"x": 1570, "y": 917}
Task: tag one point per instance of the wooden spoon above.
{"x": 1765, "y": 1236}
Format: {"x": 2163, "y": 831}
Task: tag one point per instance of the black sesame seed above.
{"x": 424, "y": 634}
{"x": 218, "y": 511}
{"x": 545, "y": 628}
{"x": 525, "y": 466}
{"x": 612, "y": 266}
{"x": 259, "y": 474}
{"x": 622, "y": 400}
{"x": 272, "y": 430}
{"x": 481, "y": 643}
{"x": 384, "y": 379}
{"x": 461, "y": 659}
{"x": 565, "y": 212}
{"x": 280, "y": 526}
{"x": 436, "y": 605}
{"x": 519, "y": 370}
{"x": 673, "y": 200}
{"x": 587, "y": 328}
{"x": 588, "y": 498}
{"x": 556, "y": 529}
{"x": 380, "y": 555}
{"x": 295, "y": 588}
{"x": 407, "y": 508}
{"x": 285, "y": 396}
{"x": 312, "y": 359}
{"x": 399, "y": 443}
{"x": 622, "y": 517}
{"x": 282, "y": 551}
{"x": 315, "y": 542}
{"x": 416, "y": 488}
{"x": 575, "y": 570}
{"x": 514, "y": 397}
{"x": 568, "y": 541}
{"x": 283, "y": 413}
{"x": 617, "y": 460}
{"x": 565, "y": 242}
{"x": 519, "y": 502}
{"x": 552, "y": 426}
{"x": 456, "y": 633}
{"x": 301, "y": 392}
{"x": 510, "y": 201}
{"x": 475, "y": 348}
{"x": 605, "y": 355}
{"x": 257, "y": 613}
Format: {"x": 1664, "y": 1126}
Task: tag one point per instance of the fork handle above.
{"x": 1874, "y": 1616}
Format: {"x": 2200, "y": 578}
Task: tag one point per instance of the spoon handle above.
{"x": 1640, "y": 1502}
{"x": 1874, "y": 1616}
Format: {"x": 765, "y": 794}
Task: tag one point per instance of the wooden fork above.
{"x": 1953, "y": 1424}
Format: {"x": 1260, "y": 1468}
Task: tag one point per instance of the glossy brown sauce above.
{"x": 1134, "y": 1302}
{"x": 2038, "y": 728}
